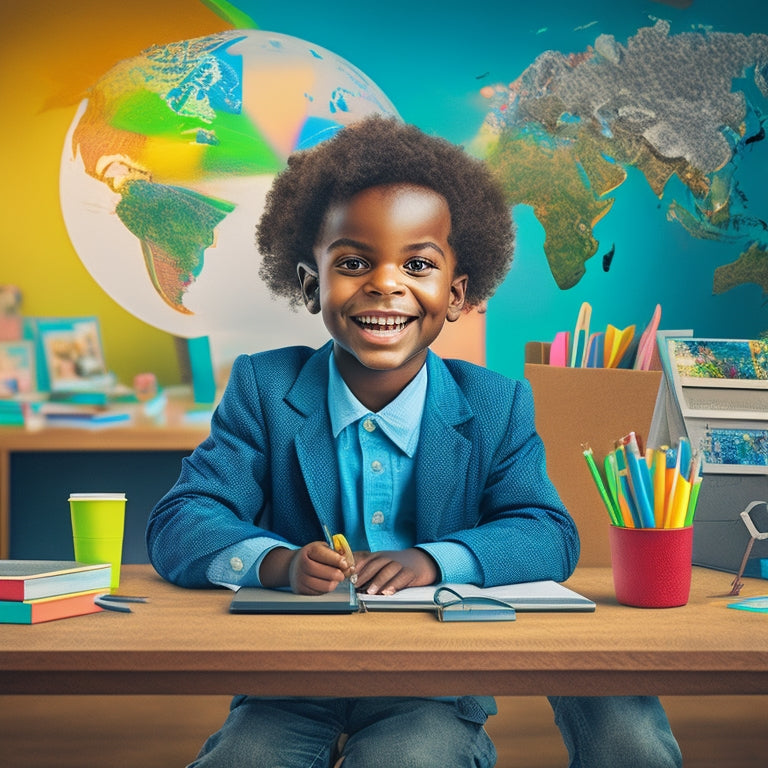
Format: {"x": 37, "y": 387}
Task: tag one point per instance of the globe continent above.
{"x": 167, "y": 164}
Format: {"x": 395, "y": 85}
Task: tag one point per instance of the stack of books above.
{"x": 33, "y": 591}
{"x": 66, "y": 414}
{"x": 11, "y": 413}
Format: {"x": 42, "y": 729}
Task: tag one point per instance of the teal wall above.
{"x": 432, "y": 58}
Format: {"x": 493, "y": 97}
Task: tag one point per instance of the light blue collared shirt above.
{"x": 375, "y": 453}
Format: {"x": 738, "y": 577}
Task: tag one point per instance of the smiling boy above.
{"x": 384, "y": 280}
{"x": 432, "y": 469}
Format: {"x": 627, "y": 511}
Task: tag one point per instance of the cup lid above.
{"x": 95, "y": 496}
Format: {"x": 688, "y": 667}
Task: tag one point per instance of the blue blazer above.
{"x": 268, "y": 468}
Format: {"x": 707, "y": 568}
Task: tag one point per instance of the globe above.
{"x": 167, "y": 163}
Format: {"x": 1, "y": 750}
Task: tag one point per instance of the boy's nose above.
{"x": 385, "y": 279}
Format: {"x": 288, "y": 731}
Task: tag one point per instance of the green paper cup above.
{"x": 98, "y": 522}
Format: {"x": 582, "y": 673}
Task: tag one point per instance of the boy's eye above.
{"x": 419, "y": 265}
{"x": 351, "y": 264}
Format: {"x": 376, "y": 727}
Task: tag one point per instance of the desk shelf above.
{"x": 171, "y": 436}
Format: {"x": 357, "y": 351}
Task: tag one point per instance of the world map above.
{"x": 684, "y": 110}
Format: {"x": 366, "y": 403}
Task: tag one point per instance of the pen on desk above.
{"x": 124, "y": 598}
{"x": 117, "y": 603}
{"x": 107, "y": 606}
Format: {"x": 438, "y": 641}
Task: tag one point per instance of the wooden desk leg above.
{"x": 5, "y": 504}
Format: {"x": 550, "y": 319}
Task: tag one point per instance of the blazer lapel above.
{"x": 315, "y": 447}
{"x": 443, "y": 455}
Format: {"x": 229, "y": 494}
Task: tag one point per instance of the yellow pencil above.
{"x": 659, "y": 472}
{"x": 680, "y": 503}
{"x": 671, "y": 476}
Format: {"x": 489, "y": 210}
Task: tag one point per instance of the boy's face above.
{"x": 385, "y": 281}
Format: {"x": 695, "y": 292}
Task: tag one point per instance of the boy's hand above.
{"x": 386, "y": 572}
{"x": 312, "y": 570}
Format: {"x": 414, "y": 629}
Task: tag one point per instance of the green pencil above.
{"x": 694, "y": 497}
{"x": 612, "y": 511}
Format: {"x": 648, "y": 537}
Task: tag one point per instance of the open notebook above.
{"x": 530, "y": 596}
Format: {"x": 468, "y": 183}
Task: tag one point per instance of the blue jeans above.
{"x": 383, "y": 732}
{"x": 626, "y": 731}
{"x": 599, "y": 732}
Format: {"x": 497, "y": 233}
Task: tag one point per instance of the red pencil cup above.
{"x": 651, "y": 566}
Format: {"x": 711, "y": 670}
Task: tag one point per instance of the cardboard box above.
{"x": 595, "y": 406}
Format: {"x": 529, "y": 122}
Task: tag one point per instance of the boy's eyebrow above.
{"x": 348, "y": 242}
{"x": 426, "y": 244}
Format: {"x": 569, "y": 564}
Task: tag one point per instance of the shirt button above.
{"x": 369, "y": 425}
{"x": 236, "y": 564}
{"x": 378, "y": 517}
{"x": 377, "y": 466}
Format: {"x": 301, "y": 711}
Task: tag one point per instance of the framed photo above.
{"x": 721, "y": 390}
{"x": 17, "y": 368}
{"x": 72, "y": 353}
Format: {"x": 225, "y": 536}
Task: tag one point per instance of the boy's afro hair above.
{"x": 372, "y": 152}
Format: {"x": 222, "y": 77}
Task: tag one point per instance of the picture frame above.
{"x": 719, "y": 389}
{"x": 71, "y": 355}
{"x": 17, "y": 368}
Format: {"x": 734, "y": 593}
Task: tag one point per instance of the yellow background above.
{"x": 51, "y": 52}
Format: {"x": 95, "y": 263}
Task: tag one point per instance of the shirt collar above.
{"x": 400, "y": 420}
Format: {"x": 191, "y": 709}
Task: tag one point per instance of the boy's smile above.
{"x": 385, "y": 283}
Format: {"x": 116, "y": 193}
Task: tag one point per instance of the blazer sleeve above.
{"x": 522, "y": 530}
{"x": 221, "y": 491}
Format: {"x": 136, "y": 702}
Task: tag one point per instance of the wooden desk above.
{"x": 143, "y": 435}
{"x": 186, "y": 642}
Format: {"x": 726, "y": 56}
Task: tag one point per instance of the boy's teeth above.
{"x": 383, "y": 321}
{"x": 379, "y": 324}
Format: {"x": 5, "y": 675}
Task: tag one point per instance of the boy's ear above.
{"x": 458, "y": 298}
{"x": 310, "y": 286}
